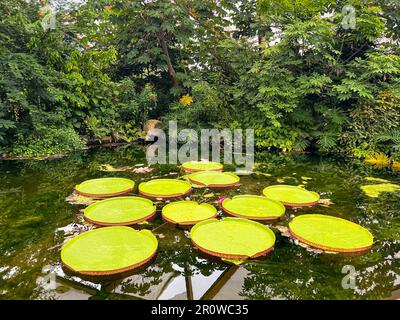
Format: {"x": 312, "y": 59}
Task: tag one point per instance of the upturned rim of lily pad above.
{"x": 202, "y": 179}
{"x": 323, "y": 232}
{"x": 212, "y": 212}
{"x": 118, "y": 187}
{"x": 89, "y": 213}
{"x": 144, "y": 188}
{"x": 240, "y": 211}
{"x": 199, "y": 166}
{"x": 219, "y": 234}
{"x": 310, "y": 198}
{"x": 95, "y": 251}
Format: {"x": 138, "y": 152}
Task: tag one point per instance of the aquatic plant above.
{"x": 374, "y": 190}
{"x": 378, "y": 160}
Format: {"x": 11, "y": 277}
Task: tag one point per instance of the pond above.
{"x": 34, "y": 212}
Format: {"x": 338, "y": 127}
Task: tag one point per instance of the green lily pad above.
{"x": 165, "y": 188}
{"x": 253, "y": 207}
{"x": 330, "y": 233}
{"x": 188, "y": 212}
{"x": 291, "y": 195}
{"x": 109, "y": 250}
{"x": 196, "y": 166}
{"x": 374, "y": 190}
{"x": 232, "y": 238}
{"x": 214, "y": 179}
{"x": 105, "y": 187}
{"x": 120, "y": 211}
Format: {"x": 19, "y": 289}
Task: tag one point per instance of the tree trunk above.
{"x": 171, "y": 69}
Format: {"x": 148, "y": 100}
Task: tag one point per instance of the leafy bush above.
{"x": 49, "y": 142}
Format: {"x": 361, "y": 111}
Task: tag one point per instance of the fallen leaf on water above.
{"x": 142, "y": 170}
{"x": 208, "y": 195}
{"x": 74, "y": 229}
{"x": 325, "y": 202}
{"x": 139, "y": 165}
{"x": 110, "y": 168}
{"x": 284, "y": 231}
{"x": 75, "y": 198}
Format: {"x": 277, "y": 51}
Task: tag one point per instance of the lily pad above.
{"x": 120, "y": 211}
{"x": 197, "y": 166}
{"x": 374, "y": 190}
{"x": 292, "y": 196}
{"x": 109, "y": 250}
{"x": 188, "y": 212}
{"x": 165, "y": 188}
{"x": 330, "y": 233}
{"x": 105, "y": 187}
{"x": 233, "y": 238}
{"x": 253, "y": 207}
{"x": 214, "y": 179}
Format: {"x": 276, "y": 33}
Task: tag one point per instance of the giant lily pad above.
{"x": 291, "y": 196}
{"x": 108, "y": 251}
{"x": 120, "y": 211}
{"x": 196, "y": 166}
{"x": 105, "y": 187}
{"x": 165, "y": 188}
{"x": 188, "y": 212}
{"x": 330, "y": 233}
{"x": 374, "y": 190}
{"x": 214, "y": 179}
{"x": 253, "y": 207}
{"x": 233, "y": 238}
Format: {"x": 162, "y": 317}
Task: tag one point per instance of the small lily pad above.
{"x": 375, "y": 190}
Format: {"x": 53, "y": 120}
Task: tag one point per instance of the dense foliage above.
{"x": 306, "y": 75}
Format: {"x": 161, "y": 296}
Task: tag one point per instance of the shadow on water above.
{"x": 33, "y": 208}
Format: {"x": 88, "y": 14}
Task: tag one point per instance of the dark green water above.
{"x": 33, "y": 206}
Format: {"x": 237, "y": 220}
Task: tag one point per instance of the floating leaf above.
{"x": 374, "y": 190}
{"x": 76, "y": 198}
{"x": 139, "y": 165}
{"x": 208, "y": 195}
{"x": 325, "y": 202}
{"x": 144, "y": 223}
{"x": 284, "y": 231}
{"x": 142, "y": 170}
